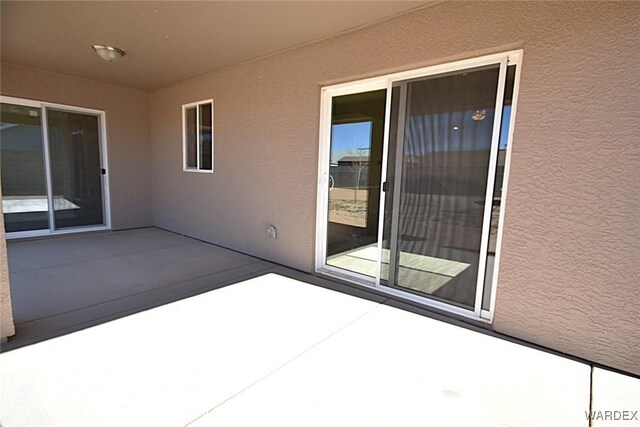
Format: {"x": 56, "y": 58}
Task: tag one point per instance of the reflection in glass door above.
{"x": 442, "y": 162}
{"x": 53, "y": 168}
{"x": 74, "y": 147}
{"x": 434, "y": 143}
{"x": 357, "y": 133}
{"x": 24, "y": 184}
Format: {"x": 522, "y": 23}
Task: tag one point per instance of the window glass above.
{"x": 190, "y": 138}
{"x": 24, "y": 188}
{"x": 76, "y": 180}
{"x": 357, "y": 139}
{"x": 206, "y": 137}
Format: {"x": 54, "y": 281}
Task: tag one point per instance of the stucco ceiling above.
{"x": 171, "y": 41}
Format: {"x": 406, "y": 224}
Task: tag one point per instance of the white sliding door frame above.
{"x": 47, "y": 168}
{"x": 395, "y": 219}
{"x": 104, "y": 164}
{"x": 516, "y": 60}
{"x": 491, "y": 177}
{"x": 503, "y": 60}
{"x": 383, "y": 179}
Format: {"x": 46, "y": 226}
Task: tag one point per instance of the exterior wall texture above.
{"x": 571, "y": 249}
{"x": 127, "y": 118}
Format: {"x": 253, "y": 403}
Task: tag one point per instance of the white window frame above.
{"x": 386, "y": 82}
{"x": 106, "y": 199}
{"x": 185, "y": 166}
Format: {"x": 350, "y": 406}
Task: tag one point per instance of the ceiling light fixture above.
{"x": 479, "y": 115}
{"x": 108, "y": 53}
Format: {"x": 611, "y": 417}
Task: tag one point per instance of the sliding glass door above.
{"x": 414, "y": 208}
{"x": 53, "y": 168}
{"x": 443, "y": 157}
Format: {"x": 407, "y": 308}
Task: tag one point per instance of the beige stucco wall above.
{"x": 7, "y": 328}
{"x": 570, "y": 268}
{"x": 127, "y": 117}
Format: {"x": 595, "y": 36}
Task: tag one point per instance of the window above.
{"x": 197, "y": 136}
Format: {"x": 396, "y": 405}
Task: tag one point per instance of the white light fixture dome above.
{"x": 108, "y": 53}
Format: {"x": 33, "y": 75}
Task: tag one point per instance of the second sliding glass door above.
{"x": 414, "y": 184}
{"x": 438, "y": 184}
{"x": 53, "y": 168}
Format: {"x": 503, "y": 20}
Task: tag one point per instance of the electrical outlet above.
{"x": 271, "y": 232}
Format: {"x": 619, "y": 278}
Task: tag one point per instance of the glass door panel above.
{"x": 357, "y": 138}
{"x": 439, "y": 161}
{"x": 74, "y": 147}
{"x": 24, "y": 184}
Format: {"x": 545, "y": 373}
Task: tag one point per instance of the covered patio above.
{"x": 393, "y": 213}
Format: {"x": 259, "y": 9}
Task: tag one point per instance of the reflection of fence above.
{"x": 461, "y": 181}
{"x": 469, "y": 181}
{"x": 344, "y": 176}
{"x": 22, "y": 172}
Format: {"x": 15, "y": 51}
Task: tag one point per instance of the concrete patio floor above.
{"x": 280, "y": 352}
{"x": 66, "y": 283}
{"x": 240, "y": 346}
